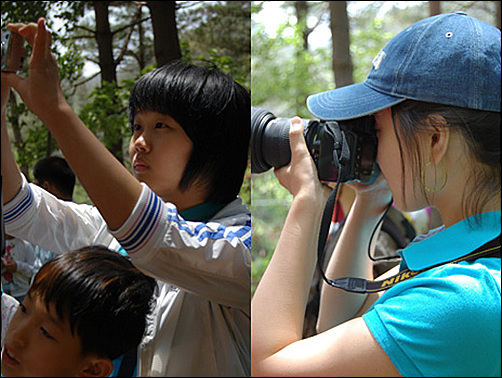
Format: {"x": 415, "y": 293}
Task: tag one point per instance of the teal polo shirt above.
{"x": 445, "y": 321}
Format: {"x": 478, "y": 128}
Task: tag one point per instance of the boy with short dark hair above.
{"x": 55, "y": 175}
{"x": 83, "y": 310}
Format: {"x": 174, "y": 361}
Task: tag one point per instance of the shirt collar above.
{"x": 453, "y": 242}
{"x": 203, "y": 212}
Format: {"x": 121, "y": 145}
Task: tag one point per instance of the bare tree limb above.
{"x": 136, "y": 21}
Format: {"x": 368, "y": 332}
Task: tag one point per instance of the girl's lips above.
{"x": 140, "y": 167}
{"x": 7, "y": 358}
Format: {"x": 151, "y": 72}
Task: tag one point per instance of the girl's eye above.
{"x": 161, "y": 125}
{"x": 136, "y": 127}
{"x": 22, "y": 308}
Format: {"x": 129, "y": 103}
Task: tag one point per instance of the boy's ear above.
{"x": 49, "y": 187}
{"x": 97, "y": 367}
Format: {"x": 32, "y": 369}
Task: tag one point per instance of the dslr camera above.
{"x": 342, "y": 151}
{"x": 13, "y": 52}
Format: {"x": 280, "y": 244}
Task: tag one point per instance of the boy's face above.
{"x": 37, "y": 343}
{"x": 159, "y": 152}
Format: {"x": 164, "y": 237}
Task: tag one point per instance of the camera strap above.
{"x": 361, "y": 285}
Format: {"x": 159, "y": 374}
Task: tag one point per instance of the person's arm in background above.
{"x": 350, "y": 256}
{"x": 111, "y": 187}
{"x": 26, "y": 266}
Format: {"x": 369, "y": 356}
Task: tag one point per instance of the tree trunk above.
{"x": 104, "y": 38}
{"x": 141, "y": 49}
{"x": 342, "y": 61}
{"x": 302, "y": 8}
{"x": 498, "y": 14}
{"x": 166, "y": 42}
{"x": 18, "y": 141}
{"x": 434, "y": 8}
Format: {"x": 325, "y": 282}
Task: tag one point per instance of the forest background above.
{"x": 103, "y": 47}
{"x": 282, "y": 51}
{"x": 305, "y": 47}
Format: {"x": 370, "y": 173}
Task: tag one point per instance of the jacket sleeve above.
{"x": 59, "y": 226}
{"x": 209, "y": 260}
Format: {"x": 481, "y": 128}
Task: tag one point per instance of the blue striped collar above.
{"x": 451, "y": 243}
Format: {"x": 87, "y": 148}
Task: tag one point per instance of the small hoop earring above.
{"x": 422, "y": 178}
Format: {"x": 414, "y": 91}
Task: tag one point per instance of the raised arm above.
{"x": 350, "y": 256}
{"x": 278, "y": 305}
{"x": 109, "y": 184}
{"x": 11, "y": 176}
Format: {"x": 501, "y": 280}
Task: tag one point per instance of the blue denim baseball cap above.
{"x": 450, "y": 59}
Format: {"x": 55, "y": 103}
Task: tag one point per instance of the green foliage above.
{"x": 245, "y": 192}
{"x": 270, "y": 204}
{"x": 367, "y": 42}
{"x": 70, "y": 64}
{"x": 284, "y": 74}
{"x": 29, "y": 146}
{"x": 220, "y": 36}
{"x": 31, "y": 140}
{"x": 218, "y": 32}
{"x": 23, "y": 11}
{"x": 80, "y": 195}
{"x": 224, "y": 63}
{"x": 106, "y": 115}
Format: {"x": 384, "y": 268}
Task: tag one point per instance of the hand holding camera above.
{"x": 342, "y": 151}
{"x": 13, "y": 52}
{"x": 298, "y": 176}
{"x": 40, "y": 91}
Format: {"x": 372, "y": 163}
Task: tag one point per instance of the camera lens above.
{"x": 342, "y": 151}
{"x": 269, "y": 140}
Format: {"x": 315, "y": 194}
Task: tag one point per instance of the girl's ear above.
{"x": 96, "y": 367}
{"x": 438, "y": 136}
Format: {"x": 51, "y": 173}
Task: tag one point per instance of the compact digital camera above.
{"x": 13, "y": 52}
{"x": 342, "y": 151}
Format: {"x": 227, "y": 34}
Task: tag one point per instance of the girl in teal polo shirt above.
{"x": 434, "y": 91}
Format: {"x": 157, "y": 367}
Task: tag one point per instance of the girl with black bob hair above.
{"x": 213, "y": 110}
{"x": 178, "y": 215}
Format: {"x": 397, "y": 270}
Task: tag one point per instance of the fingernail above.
{"x": 296, "y": 121}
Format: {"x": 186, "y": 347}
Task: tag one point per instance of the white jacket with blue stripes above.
{"x": 201, "y": 322}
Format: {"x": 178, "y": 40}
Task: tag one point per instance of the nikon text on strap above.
{"x": 360, "y": 285}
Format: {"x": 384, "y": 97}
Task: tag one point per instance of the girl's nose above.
{"x": 141, "y": 144}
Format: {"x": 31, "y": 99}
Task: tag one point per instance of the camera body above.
{"x": 13, "y": 52}
{"x": 342, "y": 151}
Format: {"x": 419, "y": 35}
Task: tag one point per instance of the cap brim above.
{"x": 349, "y": 102}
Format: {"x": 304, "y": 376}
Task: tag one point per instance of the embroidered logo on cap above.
{"x": 377, "y": 60}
